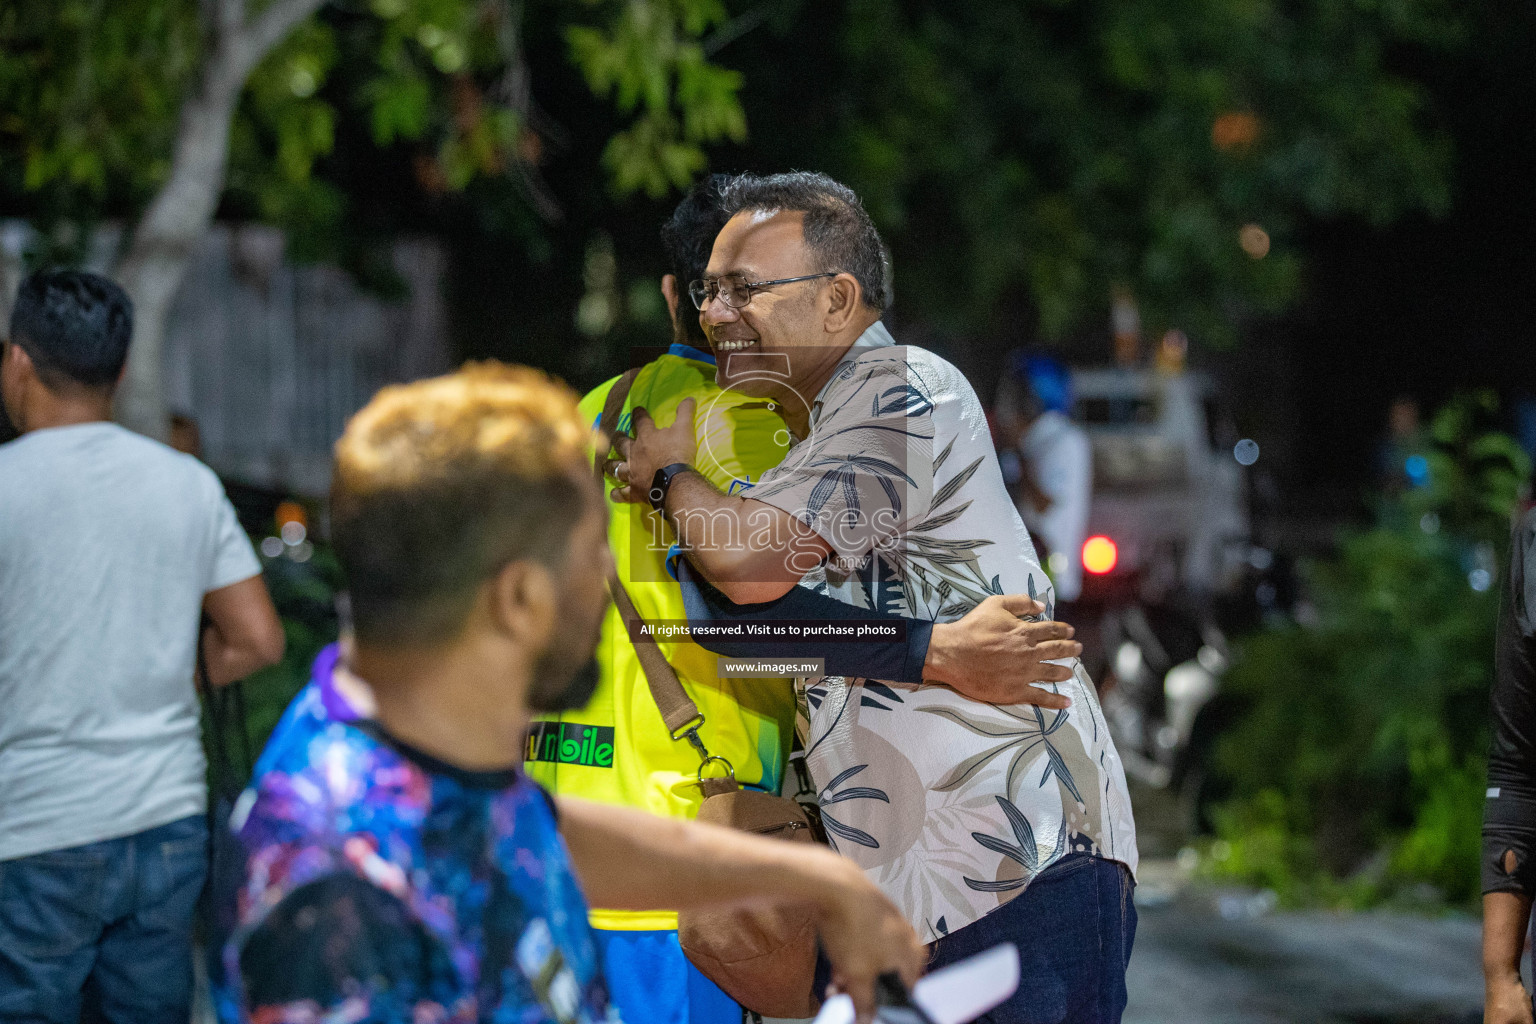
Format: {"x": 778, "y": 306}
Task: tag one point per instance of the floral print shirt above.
{"x": 951, "y": 806}
{"x": 365, "y": 881}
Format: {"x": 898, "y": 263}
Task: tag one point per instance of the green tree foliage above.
{"x": 89, "y": 93}
{"x": 1365, "y": 729}
{"x": 643, "y": 61}
{"x": 91, "y": 90}
{"x": 239, "y": 88}
{"x": 1024, "y": 159}
{"x": 1055, "y": 148}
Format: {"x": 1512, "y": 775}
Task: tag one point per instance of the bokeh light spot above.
{"x": 1254, "y": 240}
{"x": 1100, "y": 554}
{"x": 1234, "y": 130}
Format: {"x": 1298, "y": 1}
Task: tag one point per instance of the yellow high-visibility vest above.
{"x": 616, "y": 750}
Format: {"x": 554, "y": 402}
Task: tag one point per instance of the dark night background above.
{"x": 1424, "y": 308}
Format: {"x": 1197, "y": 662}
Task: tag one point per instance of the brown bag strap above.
{"x": 678, "y": 710}
{"x": 613, "y": 408}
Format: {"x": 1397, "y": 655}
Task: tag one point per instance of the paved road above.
{"x": 1194, "y": 965}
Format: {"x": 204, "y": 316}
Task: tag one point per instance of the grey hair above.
{"x": 838, "y": 231}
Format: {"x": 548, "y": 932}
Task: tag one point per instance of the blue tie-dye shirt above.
{"x": 370, "y": 882}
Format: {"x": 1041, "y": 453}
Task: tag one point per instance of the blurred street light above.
{"x": 1173, "y": 351}
{"x": 1100, "y": 555}
{"x": 1254, "y": 240}
{"x": 1234, "y": 130}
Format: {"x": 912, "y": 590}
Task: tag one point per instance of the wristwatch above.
{"x": 662, "y": 482}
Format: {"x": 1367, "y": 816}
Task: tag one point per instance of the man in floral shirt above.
{"x": 984, "y": 823}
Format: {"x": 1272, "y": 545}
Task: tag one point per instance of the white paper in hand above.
{"x": 954, "y": 995}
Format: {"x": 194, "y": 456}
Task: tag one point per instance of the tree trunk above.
{"x": 152, "y": 270}
{"x": 156, "y": 261}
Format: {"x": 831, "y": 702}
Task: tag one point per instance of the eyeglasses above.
{"x": 735, "y": 290}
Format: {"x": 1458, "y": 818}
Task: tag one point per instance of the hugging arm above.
{"x": 898, "y": 658}
{"x": 992, "y": 654}
{"x": 750, "y": 550}
{"x": 754, "y": 553}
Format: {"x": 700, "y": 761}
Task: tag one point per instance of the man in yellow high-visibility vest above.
{"x": 616, "y": 749}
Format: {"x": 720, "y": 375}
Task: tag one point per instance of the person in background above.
{"x": 634, "y": 762}
{"x": 1055, "y": 467}
{"x": 186, "y": 436}
{"x": 112, "y": 548}
{"x": 400, "y": 867}
{"x": 1400, "y": 455}
{"x": 1509, "y": 815}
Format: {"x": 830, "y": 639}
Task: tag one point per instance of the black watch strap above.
{"x": 662, "y": 482}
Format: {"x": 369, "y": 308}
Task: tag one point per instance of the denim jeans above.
{"x": 113, "y": 919}
{"x": 1074, "y": 926}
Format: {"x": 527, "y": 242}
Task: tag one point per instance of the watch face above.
{"x": 661, "y": 482}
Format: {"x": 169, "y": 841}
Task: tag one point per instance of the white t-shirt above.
{"x": 108, "y": 542}
{"x": 951, "y": 806}
{"x": 1059, "y": 455}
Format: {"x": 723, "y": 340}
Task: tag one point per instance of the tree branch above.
{"x": 739, "y": 26}
{"x": 271, "y": 25}
{"x": 514, "y": 91}
{"x": 180, "y": 212}
{"x": 228, "y": 20}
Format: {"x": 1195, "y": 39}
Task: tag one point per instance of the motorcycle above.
{"x": 1159, "y": 660}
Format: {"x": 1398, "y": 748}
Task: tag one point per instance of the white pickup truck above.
{"x": 1168, "y": 491}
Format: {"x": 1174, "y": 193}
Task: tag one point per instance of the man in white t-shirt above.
{"x": 984, "y": 822}
{"x": 1056, "y": 468}
{"x": 112, "y": 547}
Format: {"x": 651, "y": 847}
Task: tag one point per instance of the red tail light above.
{"x": 1100, "y": 555}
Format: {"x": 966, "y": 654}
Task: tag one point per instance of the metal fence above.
{"x": 269, "y": 358}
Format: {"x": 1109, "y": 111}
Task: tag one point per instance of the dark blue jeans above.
{"x": 112, "y": 918}
{"x": 1074, "y": 927}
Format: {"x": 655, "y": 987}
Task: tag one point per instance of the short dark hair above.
{"x": 440, "y": 483}
{"x": 838, "y": 231}
{"x": 75, "y": 325}
{"x": 687, "y": 238}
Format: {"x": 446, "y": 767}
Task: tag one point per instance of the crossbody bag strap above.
{"x": 613, "y": 409}
{"x": 678, "y": 711}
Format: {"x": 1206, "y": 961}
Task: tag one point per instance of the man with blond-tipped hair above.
{"x": 401, "y": 867}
